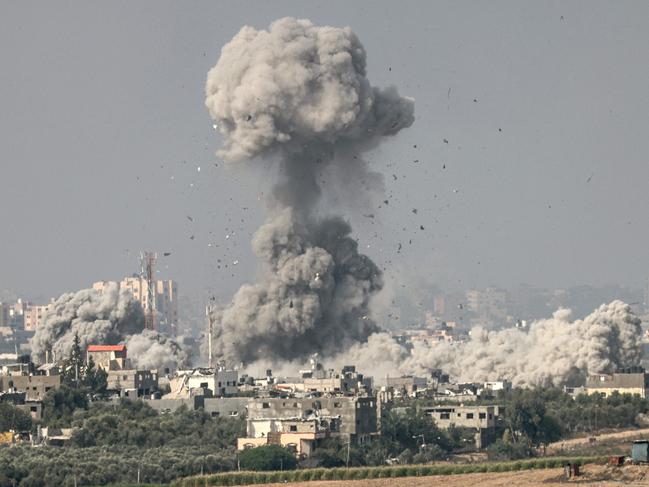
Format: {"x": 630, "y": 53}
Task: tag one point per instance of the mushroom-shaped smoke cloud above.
{"x": 298, "y": 84}
{"x": 299, "y": 92}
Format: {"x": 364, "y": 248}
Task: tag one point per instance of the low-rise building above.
{"x": 132, "y": 382}
{"x": 221, "y": 382}
{"x": 300, "y": 436}
{"x": 355, "y": 416}
{"x": 108, "y": 357}
{"x": 225, "y": 406}
{"x": 633, "y": 381}
{"x": 407, "y": 385}
{"x": 481, "y": 418}
{"x": 34, "y": 386}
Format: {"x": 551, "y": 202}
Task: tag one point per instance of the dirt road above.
{"x": 579, "y": 442}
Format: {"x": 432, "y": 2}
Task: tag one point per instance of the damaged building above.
{"x": 301, "y": 422}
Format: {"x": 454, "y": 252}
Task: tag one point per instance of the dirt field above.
{"x": 577, "y": 443}
{"x": 598, "y": 475}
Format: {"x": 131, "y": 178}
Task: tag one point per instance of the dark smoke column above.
{"x": 298, "y": 93}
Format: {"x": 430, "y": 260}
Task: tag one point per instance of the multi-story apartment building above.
{"x": 166, "y": 299}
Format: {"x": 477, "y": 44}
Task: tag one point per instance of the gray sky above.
{"x": 545, "y": 107}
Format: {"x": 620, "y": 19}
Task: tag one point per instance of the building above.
{"x": 166, "y": 299}
{"x": 345, "y": 381}
{"x": 498, "y": 385}
{"x": 356, "y": 417}
{"x": 225, "y": 406}
{"x": 407, "y": 385}
{"x": 34, "y": 386}
{"x": 481, "y": 418}
{"x": 33, "y": 316}
{"x": 133, "y": 383}
{"x": 632, "y": 381}
{"x": 108, "y": 357}
{"x": 489, "y": 305}
{"x": 300, "y": 436}
{"x": 220, "y": 382}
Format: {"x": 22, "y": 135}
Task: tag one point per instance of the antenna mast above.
{"x": 147, "y": 274}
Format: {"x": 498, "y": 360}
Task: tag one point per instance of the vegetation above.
{"x": 245, "y": 478}
{"x": 12, "y": 418}
{"x": 121, "y": 441}
{"x": 113, "y": 442}
{"x": 268, "y": 457}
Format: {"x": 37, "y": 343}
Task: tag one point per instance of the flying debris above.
{"x": 190, "y": 218}
{"x": 315, "y": 110}
{"x": 166, "y": 254}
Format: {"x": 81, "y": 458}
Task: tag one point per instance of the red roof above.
{"x": 107, "y": 348}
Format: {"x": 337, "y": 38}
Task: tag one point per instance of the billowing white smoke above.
{"x": 554, "y": 351}
{"x": 105, "y": 318}
{"x": 151, "y": 350}
{"x": 299, "y": 92}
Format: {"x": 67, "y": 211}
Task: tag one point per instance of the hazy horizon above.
{"x": 528, "y": 138}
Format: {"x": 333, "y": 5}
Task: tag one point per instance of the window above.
{"x": 469, "y": 415}
{"x": 337, "y": 405}
{"x": 33, "y": 409}
{"x": 444, "y": 416}
{"x": 482, "y": 415}
{"x": 234, "y": 413}
{"x": 215, "y": 414}
{"x": 204, "y": 385}
{"x": 292, "y": 427}
{"x": 265, "y": 405}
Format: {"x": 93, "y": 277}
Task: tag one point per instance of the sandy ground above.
{"x": 618, "y": 435}
{"x": 596, "y": 475}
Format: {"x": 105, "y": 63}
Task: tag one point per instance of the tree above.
{"x": 268, "y": 457}
{"x": 73, "y": 366}
{"x": 12, "y": 418}
{"x": 95, "y": 379}
{"x": 60, "y": 404}
{"x": 527, "y": 418}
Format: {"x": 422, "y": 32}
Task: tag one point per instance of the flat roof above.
{"x": 107, "y": 348}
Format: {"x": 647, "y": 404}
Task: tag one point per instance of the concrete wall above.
{"x": 358, "y": 418}
{"x": 170, "y": 405}
{"x": 463, "y": 416}
{"x": 34, "y": 386}
{"x": 226, "y": 406}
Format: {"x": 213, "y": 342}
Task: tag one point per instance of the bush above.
{"x": 267, "y": 457}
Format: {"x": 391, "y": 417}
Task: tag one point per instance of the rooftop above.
{"x": 107, "y": 348}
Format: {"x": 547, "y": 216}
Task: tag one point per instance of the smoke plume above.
{"x": 553, "y": 351}
{"x": 103, "y": 318}
{"x": 151, "y": 350}
{"x": 298, "y": 94}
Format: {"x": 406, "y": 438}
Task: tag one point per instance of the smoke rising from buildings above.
{"x": 298, "y": 94}
{"x": 151, "y": 350}
{"x": 110, "y": 317}
{"x": 553, "y": 351}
